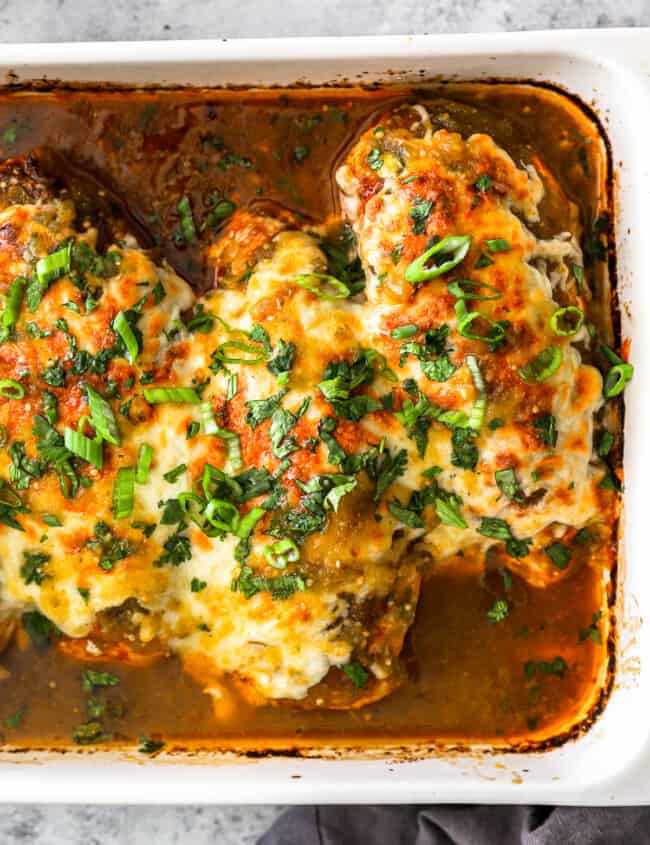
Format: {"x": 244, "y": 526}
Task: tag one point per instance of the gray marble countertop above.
{"x": 97, "y": 20}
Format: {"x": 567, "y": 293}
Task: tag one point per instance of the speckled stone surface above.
{"x": 78, "y": 20}
{"x": 95, "y": 20}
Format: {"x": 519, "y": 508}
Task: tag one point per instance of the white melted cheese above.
{"x": 282, "y": 648}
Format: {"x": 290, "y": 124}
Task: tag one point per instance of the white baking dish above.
{"x": 611, "y": 763}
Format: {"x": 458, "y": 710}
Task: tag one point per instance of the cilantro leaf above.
{"x": 559, "y": 554}
{"x": 39, "y": 629}
{"x": 281, "y": 587}
{"x": 499, "y": 611}
{"x": 356, "y": 673}
{"x": 263, "y": 409}
{"x": 389, "y": 470}
{"x": 546, "y": 429}
{"x": 33, "y": 568}
{"x": 507, "y": 482}
{"x": 464, "y": 451}
{"x": 282, "y": 362}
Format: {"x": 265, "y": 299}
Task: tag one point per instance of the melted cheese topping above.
{"x": 347, "y": 593}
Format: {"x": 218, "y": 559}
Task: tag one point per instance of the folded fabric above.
{"x": 460, "y": 825}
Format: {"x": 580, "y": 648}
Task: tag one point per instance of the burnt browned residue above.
{"x": 467, "y": 685}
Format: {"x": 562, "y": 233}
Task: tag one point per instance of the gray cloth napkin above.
{"x": 460, "y": 825}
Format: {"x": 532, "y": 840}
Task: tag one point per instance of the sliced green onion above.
{"x": 456, "y": 246}
{"x": 579, "y": 274}
{"x": 281, "y": 553}
{"x": 465, "y": 318}
{"x": 616, "y": 380}
{"x": 173, "y": 475}
{"x": 210, "y": 425}
{"x": 463, "y": 289}
{"x": 233, "y": 451}
{"x": 124, "y": 492}
{"x": 568, "y": 321}
{"x": 404, "y": 332}
{"x": 383, "y": 370}
{"x": 187, "y": 221}
{"x": 248, "y": 523}
{"x": 55, "y": 265}
{"x": 102, "y": 417}
{"x": 477, "y": 413}
{"x": 180, "y": 395}
{"x": 211, "y": 480}
{"x": 222, "y": 515}
{"x": 497, "y": 245}
{"x": 231, "y": 386}
{"x": 123, "y": 328}
{"x": 13, "y": 301}
{"x": 255, "y": 353}
{"x": 143, "y": 465}
{"x": 9, "y": 498}
{"x": 10, "y": 389}
{"x": 84, "y": 447}
{"x": 193, "y": 505}
{"x": 617, "y": 376}
{"x": 543, "y": 365}
{"x": 323, "y": 285}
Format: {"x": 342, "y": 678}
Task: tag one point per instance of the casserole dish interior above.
{"x": 571, "y": 757}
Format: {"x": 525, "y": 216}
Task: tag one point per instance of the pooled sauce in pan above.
{"x": 491, "y": 656}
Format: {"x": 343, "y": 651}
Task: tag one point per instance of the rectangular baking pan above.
{"x": 610, "y": 763}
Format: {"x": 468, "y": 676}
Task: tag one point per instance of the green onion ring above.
{"x": 465, "y": 318}
{"x": 543, "y": 365}
{"x": 281, "y": 553}
{"x": 477, "y": 413}
{"x": 616, "y": 380}
{"x": 257, "y": 353}
{"x": 458, "y": 289}
{"x": 222, "y": 515}
{"x": 562, "y": 313}
{"x": 10, "y": 389}
{"x": 304, "y": 280}
{"x": 455, "y": 245}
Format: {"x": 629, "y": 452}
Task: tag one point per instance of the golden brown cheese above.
{"x": 471, "y": 187}
{"x": 356, "y": 434}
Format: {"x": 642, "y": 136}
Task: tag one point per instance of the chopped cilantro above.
{"x": 546, "y": 429}
{"x": 592, "y": 631}
{"x": 559, "y": 554}
{"x": 178, "y": 549}
{"x": 558, "y": 666}
{"x": 594, "y": 247}
{"x": 196, "y": 585}
{"x": 483, "y": 183}
{"x": 282, "y": 361}
{"x": 375, "y": 159}
{"x": 419, "y": 213}
{"x": 499, "y": 611}
{"x": 150, "y": 746}
{"x": 262, "y": 409}
{"x": 464, "y": 452}
{"x": 33, "y": 568}
{"x": 356, "y": 673}
{"x": 281, "y": 587}
{"x": 507, "y": 482}
{"x": 39, "y": 629}
{"x": 91, "y": 679}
